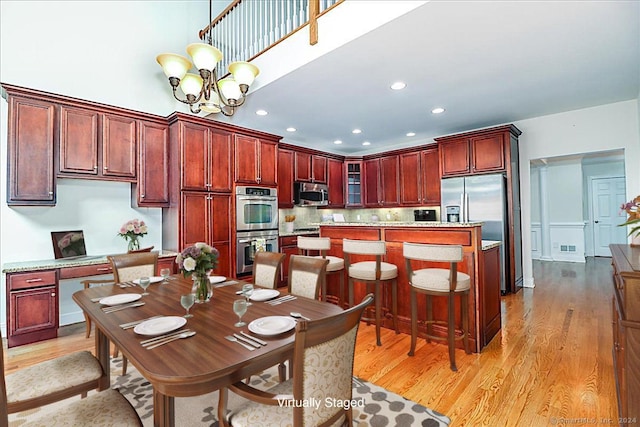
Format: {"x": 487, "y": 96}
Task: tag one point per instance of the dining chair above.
{"x": 58, "y": 379}
{"x": 323, "y": 357}
{"x": 374, "y": 273}
{"x": 307, "y": 245}
{"x": 306, "y": 274}
{"x": 441, "y": 282}
{"x": 266, "y": 268}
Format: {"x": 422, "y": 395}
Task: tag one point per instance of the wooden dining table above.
{"x": 204, "y": 362}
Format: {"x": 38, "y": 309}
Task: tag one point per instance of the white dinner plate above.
{"x": 120, "y": 299}
{"x": 272, "y": 325}
{"x": 160, "y": 325}
{"x": 217, "y": 279}
{"x": 152, "y": 279}
{"x": 263, "y": 294}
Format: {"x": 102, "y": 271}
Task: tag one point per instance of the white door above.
{"x": 607, "y": 196}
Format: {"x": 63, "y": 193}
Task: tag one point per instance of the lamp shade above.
{"x": 191, "y": 84}
{"x": 243, "y": 72}
{"x": 205, "y": 56}
{"x": 174, "y": 65}
{"x": 230, "y": 89}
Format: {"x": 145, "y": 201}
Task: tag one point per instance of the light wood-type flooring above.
{"x": 551, "y": 364}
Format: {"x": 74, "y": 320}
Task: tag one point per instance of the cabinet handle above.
{"x": 103, "y": 269}
{"x": 95, "y": 167}
{"x": 53, "y": 294}
{"x": 33, "y": 280}
{"x": 105, "y": 168}
{"x": 142, "y": 196}
{"x": 51, "y": 193}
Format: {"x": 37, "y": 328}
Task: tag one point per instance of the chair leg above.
{"x": 414, "y": 321}
{"x": 341, "y": 294}
{"x": 323, "y": 288}
{"x": 282, "y": 372}
{"x": 429, "y": 317}
{"x": 451, "y": 330}
{"x": 124, "y": 365}
{"x": 378, "y": 310}
{"x": 87, "y": 321}
{"x": 465, "y": 322}
{"x": 394, "y": 304}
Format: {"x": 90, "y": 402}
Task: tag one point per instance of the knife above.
{"x": 258, "y": 340}
{"x": 153, "y": 340}
{"x": 136, "y": 322}
{"x": 247, "y": 340}
{"x": 121, "y": 307}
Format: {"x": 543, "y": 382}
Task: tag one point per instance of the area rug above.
{"x": 380, "y": 408}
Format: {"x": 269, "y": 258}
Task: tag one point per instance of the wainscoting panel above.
{"x": 567, "y": 241}
{"x": 536, "y": 240}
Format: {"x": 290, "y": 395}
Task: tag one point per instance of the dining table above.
{"x": 205, "y": 361}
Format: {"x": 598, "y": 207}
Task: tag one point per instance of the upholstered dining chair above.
{"x": 58, "y": 379}
{"x": 307, "y": 245}
{"x": 322, "y": 368}
{"x": 374, "y": 273}
{"x": 441, "y": 282}
{"x": 306, "y": 274}
{"x": 266, "y": 268}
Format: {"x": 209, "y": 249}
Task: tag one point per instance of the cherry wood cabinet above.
{"x": 354, "y": 178}
{"x": 335, "y": 183}
{"x": 255, "y": 161}
{"x": 153, "y": 165}
{"x": 30, "y": 151}
{"x": 473, "y": 154}
{"x": 310, "y": 167}
{"x": 382, "y": 179}
{"x": 286, "y": 159}
{"x": 420, "y": 178}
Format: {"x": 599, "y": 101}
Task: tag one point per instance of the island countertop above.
{"x": 417, "y": 224}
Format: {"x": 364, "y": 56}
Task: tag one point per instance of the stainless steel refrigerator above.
{"x": 483, "y": 198}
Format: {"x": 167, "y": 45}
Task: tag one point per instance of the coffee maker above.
{"x": 453, "y": 213}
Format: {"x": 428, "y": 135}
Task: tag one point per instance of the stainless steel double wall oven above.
{"x": 256, "y": 224}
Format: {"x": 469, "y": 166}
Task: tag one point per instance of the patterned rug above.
{"x": 380, "y": 407}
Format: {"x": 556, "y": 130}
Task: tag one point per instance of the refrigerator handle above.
{"x": 462, "y": 207}
{"x": 465, "y": 208}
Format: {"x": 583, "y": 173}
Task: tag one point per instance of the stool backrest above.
{"x": 314, "y": 243}
{"x": 444, "y": 253}
{"x": 364, "y": 247}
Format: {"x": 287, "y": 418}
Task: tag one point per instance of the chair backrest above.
{"x": 136, "y": 251}
{"x": 266, "y": 268}
{"x": 320, "y": 344}
{"x": 322, "y": 244}
{"x": 127, "y": 267}
{"x": 364, "y": 247}
{"x": 306, "y": 275}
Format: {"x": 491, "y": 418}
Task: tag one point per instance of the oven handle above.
{"x": 260, "y": 199}
{"x": 253, "y": 240}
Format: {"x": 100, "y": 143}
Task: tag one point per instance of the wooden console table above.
{"x": 32, "y": 293}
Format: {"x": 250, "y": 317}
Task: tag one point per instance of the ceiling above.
{"x": 486, "y": 63}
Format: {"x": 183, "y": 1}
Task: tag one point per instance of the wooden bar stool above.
{"x": 335, "y": 266}
{"x": 442, "y": 282}
{"x": 372, "y": 273}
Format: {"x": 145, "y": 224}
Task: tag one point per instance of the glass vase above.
{"x": 133, "y": 245}
{"x": 201, "y": 288}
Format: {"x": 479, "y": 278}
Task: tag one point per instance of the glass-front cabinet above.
{"x": 354, "y": 184}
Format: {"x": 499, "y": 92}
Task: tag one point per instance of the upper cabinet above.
{"x": 310, "y": 167}
{"x": 286, "y": 159}
{"x": 256, "y": 161}
{"x": 420, "y": 178}
{"x": 30, "y": 153}
{"x": 382, "y": 180}
{"x": 335, "y": 182}
{"x": 354, "y": 179}
{"x": 153, "y": 164}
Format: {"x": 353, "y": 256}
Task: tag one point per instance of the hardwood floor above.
{"x": 551, "y": 361}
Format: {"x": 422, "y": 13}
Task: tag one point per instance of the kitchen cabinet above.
{"x": 32, "y": 314}
{"x": 354, "y": 187}
{"x": 97, "y": 145}
{"x": 420, "y": 178}
{"x": 30, "y": 151}
{"x": 205, "y": 218}
{"x": 255, "y": 161}
{"x": 473, "y": 154}
{"x": 382, "y": 180}
{"x": 335, "y": 183}
{"x": 285, "y": 178}
{"x": 205, "y": 154}
{"x": 310, "y": 167}
{"x": 153, "y": 165}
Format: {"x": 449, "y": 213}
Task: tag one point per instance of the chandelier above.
{"x": 204, "y": 92}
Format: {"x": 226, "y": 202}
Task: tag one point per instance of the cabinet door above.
{"x": 488, "y": 153}
{"x": 219, "y": 161}
{"x": 268, "y": 162}
{"x": 389, "y": 180}
{"x": 319, "y": 169}
{"x": 193, "y": 156}
{"x": 303, "y": 167}
{"x": 194, "y": 226}
{"x": 371, "y": 182}
{"x": 335, "y": 182}
{"x": 78, "y": 141}
{"x": 354, "y": 175}
{"x": 430, "y": 173}
{"x": 153, "y": 179}
{"x": 30, "y": 153}
{"x": 246, "y": 159}
{"x": 285, "y": 178}
{"x": 410, "y": 185}
{"x": 118, "y": 146}
{"x": 33, "y": 311}
{"x": 219, "y": 206}
{"x": 454, "y": 157}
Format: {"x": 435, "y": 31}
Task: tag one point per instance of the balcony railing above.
{"x": 245, "y": 29}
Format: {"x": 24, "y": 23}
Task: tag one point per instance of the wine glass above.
{"x": 144, "y": 284}
{"x": 187, "y": 301}
{"x": 165, "y": 273}
{"x": 240, "y": 308}
{"x": 247, "y": 290}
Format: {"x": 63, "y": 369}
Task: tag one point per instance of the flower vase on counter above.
{"x": 289, "y": 223}
{"x": 201, "y": 288}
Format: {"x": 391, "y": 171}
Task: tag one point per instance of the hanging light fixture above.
{"x": 205, "y": 92}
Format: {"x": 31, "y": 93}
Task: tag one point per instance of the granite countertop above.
{"x": 490, "y": 244}
{"x": 301, "y": 232}
{"x": 417, "y": 224}
{"x": 48, "y": 264}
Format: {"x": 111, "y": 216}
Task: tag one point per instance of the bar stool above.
{"x": 440, "y": 282}
{"x": 372, "y": 272}
{"x": 335, "y": 266}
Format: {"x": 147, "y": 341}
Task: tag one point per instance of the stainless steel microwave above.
{"x": 310, "y": 194}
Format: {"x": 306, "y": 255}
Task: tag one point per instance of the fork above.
{"x": 234, "y": 339}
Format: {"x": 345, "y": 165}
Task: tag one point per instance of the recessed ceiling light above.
{"x": 398, "y": 86}
{"x": 366, "y": 143}
{"x": 261, "y": 113}
{"x": 411, "y": 134}
{"x": 291, "y": 129}
{"x": 437, "y": 110}
{"x": 356, "y": 131}
{"x": 337, "y": 142}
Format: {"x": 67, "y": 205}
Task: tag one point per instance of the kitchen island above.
{"x": 481, "y": 261}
